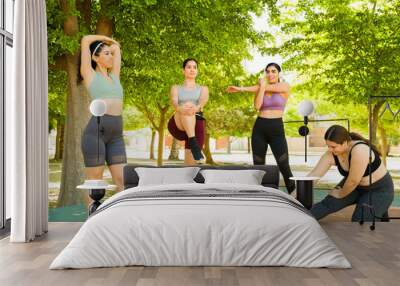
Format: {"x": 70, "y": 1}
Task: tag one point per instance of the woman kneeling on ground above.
{"x": 350, "y": 153}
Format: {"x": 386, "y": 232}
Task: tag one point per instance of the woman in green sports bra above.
{"x": 100, "y": 69}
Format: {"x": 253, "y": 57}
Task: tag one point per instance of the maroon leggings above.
{"x": 182, "y": 136}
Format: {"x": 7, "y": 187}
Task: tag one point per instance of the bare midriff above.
{"x": 376, "y": 176}
{"x": 114, "y": 106}
{"x": 271, "y": 113}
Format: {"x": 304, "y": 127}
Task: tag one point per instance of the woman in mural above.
{"x": 270, "y": 100}
{"x": 187, "y": 124}
{"x": 350, "y": 153}
{"x": 100, "y": 69}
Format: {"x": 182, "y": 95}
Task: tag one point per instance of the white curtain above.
{"x": 27, "y": 124}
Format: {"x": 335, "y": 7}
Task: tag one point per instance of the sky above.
{"x": 259, "y": 61}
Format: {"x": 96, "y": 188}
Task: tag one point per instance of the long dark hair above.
{"x": 95, "y": 48}
{"x": 339, "y": 134}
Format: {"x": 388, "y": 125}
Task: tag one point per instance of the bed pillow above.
{"x": 166, "y": 176}
{"x": 248, "y": 177}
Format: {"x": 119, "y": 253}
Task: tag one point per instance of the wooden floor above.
{"x": 374, "y": 255}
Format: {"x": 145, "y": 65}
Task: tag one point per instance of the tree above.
{"x": 174, "y": 153}
{"x": 348, "y": 48}
{"x": 155, "y": 37}
{"x": 68, "y": 20}
{"x": 56, "y": 103}
{"x": 159, "y": 42}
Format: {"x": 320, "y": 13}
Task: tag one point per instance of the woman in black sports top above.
{"x": 350, "y": 153}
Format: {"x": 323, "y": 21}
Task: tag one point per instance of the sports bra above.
{"x": 374, "y": 165}
{"x": 101, "y": 88}
{"x": 274, "y": 102}
{"x": 189, "y": 95}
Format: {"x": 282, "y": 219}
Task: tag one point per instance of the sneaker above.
{"x": 202, "y": 161}
{"x": 195, "y": 149}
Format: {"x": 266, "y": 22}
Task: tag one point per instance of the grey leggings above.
{"x": 382, "y": 193}
{"x": 109, "y": 148}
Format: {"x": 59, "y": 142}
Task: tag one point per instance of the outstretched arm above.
{"x": 235, "y": 89}
{"x": 323, "y": 165}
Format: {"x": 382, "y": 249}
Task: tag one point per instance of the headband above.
{"x": 98, "y": 45}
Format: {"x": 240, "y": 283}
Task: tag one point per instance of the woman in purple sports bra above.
{"x": 270, "y": 100}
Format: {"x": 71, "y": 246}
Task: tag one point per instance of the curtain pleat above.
{"x": 28, "y": 159}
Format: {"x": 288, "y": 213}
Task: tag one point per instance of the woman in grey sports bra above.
{"x": 187, "y": 123}
{"x": 100, "y": 69}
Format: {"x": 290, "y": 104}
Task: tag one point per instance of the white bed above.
{"x": 203, "y": 225}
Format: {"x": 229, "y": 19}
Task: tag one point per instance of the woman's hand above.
{"x": 114, "y": 47}
{"x": 263, "y": 82}
{"x": 188, "y": 108}
{"x": 109, "y": 41}
{"x": 233, "y": 89}
{"x": 337, "y": 193}
{"x": 113, "y": 43}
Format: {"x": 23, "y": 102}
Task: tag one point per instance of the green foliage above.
{"x": 157, "y": 38}
{"x": 58, "y": 42}
{"x": 56, "y": 97}
{"x": 134, "y": 119}
{"x": 347, "y": 48}
{"x": 343, "y": 51}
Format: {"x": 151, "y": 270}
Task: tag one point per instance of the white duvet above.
{"x": 207, "y": 230}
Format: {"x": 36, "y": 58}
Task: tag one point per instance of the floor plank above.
{"x": 375, "y": 257}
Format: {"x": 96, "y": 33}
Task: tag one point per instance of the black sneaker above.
{"x": 195, "y": 149}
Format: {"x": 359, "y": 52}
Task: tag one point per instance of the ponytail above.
{"x": 358, "y": 137}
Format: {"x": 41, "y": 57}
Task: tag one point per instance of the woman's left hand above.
{"x": 233, "y": 89}
{"x": 263, "y": 82}
{"x": 336, "y": 193}
{"x": 190, "y": 108}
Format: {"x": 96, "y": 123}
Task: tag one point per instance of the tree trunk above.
{"x": 76, "y": 119}
{"x": 77, "y": 100}
{"x": 249, "y": 145}
{"x": 207, "y": 151}
{"x": 59, "y": 139}
{"x": 76, "y": 116}
{"x": 161, "y": 128}
{"x": 153, "y": 136}
{"x": 228, "y": 147}
{"x": 105, "y": 23}
{"x": 174, "y": 154}
{"x": 384, "y": 144}
{"x": 375, "y": 117}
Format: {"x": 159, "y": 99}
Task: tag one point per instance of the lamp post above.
{"x": 98, "y": 108}
{"x": 305, "y": 108}
{"x": 97, "y": 188}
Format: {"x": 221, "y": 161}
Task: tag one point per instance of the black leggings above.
{"x": 270, "y": 131}
{"x": 382, "y": 194}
